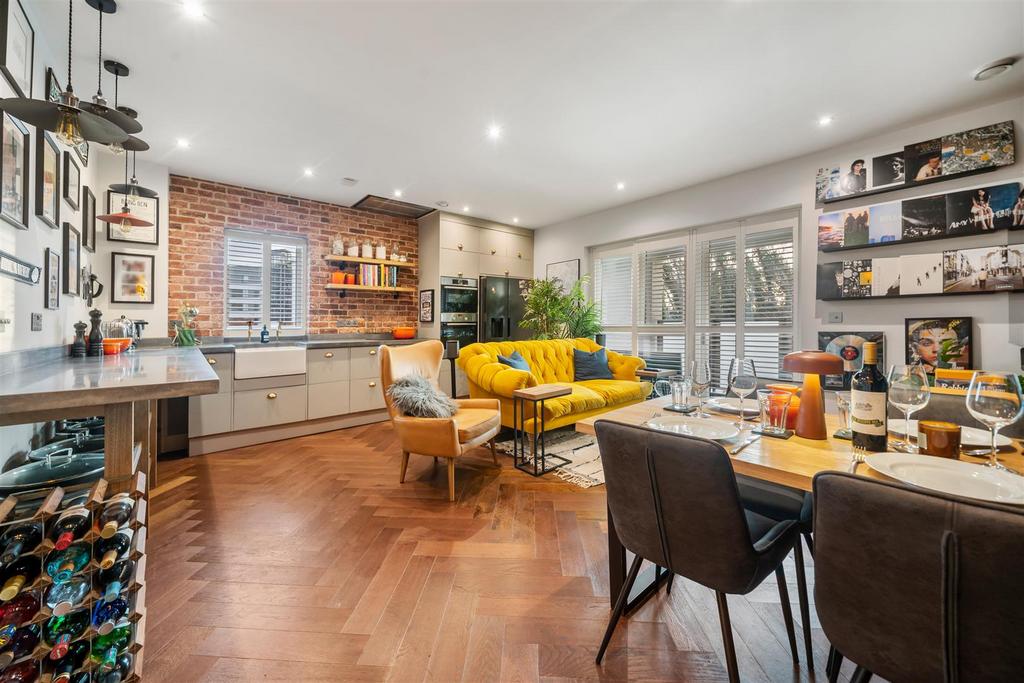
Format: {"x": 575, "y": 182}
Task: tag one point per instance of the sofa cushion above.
{"x": 473, "y": 422}
{"x": 580, "y": 400}
{"x": 616, "y": 391}
{"x": 590, "y": 365}
{"x": 516, "y": 361}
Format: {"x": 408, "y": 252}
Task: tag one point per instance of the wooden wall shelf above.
{"x": 373, "y": 261}
{"x": 344, "y": 289}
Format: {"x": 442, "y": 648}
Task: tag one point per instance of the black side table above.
{"x": 535, "y": 463}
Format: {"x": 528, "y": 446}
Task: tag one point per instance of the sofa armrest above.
{"x": 485, "y": 403}
{"x": 625, "y": 367}
{"x": 428, "y": 435}
{"x": 495, "y": 378}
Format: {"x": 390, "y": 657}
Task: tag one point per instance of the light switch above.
{"x": 835, "y": 316}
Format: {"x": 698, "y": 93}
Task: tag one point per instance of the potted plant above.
{"x": 553, "y": 313}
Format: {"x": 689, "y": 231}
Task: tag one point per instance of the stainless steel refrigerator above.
{"x": 501, "y": 308}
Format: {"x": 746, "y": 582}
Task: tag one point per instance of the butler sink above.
{"x": 269, "y": 361}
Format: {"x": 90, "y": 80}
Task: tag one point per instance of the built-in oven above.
{"x": 459, "y": 298}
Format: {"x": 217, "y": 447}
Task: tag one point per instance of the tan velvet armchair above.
{"x": 477, "y": 421}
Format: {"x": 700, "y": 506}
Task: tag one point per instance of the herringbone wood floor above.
{"x": 306, "y": 560}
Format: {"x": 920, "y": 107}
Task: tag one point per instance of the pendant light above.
{"x": 125, "y": 217}
{"x": 132, "y": 187}
{"x": 71, "y": 124}
{"x": 132, "y": 144}
{"x": 98, "y": 106}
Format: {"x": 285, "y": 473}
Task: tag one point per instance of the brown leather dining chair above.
{"x": 477, "y": 421}
{"x": 675, "y": 503}
{"x": 914, "y": 585}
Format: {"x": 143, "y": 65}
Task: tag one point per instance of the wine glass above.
{"x": 700, "y": 376}
{"x": 994, "y": 399}
{"x": 743, "y": 382}
{"x": 908, "y": 391}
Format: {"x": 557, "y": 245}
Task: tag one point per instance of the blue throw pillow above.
{"x": 588, "y": 365}
{"x": 516, "y": 361}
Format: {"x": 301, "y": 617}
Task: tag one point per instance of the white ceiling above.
{"x": 656, "y": 95}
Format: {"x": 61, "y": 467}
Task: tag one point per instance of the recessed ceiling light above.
{"x": 443, "y": 204}
{"x": 620, "y": 186}
{"x": 193, "y": 9}
{"x": 825, "y": 120}
{"x": 308, "y": 172}
{"x": 349, "y": 181}
{"x": 994, "y": 69}
{"x": 465, "y": 209}
{"x": 494, "y": 131}
{"x": 183, "y": 143}
{"x": 398, "y": 193}
{"x": 515, "y": 220}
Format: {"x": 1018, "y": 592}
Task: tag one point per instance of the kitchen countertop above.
{"x": 230, "y": 346}
{"x": 64, "y": 382}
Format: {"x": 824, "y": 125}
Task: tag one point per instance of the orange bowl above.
{"x": 113, "y": 345}
{"x": 403, "y": 332}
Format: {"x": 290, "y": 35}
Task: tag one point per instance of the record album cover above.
{"x": 855, "y": 228}
{"x": 983, "y": 269}
{"x": 830, "y": 280}
{"x": 982, "y": 209}
{"x": 924, "y": 217}
{"x": 884, "y": 223}
{"x": 888, "y": 169}
{"x": 920, "y": 274}
{"x": 830, "y": 231}
{"x": 939, "y": 343}
{"x": 850, "y": 347}
{"x": 978, "y": 148}
{"x": 885, "y": 276}
{"x": 856, "y": 279}
{"x": 924, "y": 160}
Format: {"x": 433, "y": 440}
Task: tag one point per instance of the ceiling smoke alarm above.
{"x": 349, "y": 181}
{"x": 443, "y": 204}
{"x": 997, "y": 68}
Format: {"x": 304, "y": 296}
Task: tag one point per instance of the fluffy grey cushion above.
{"x": 416, "y": 396}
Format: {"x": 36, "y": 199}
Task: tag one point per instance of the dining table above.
{"x": 790, "y": 463}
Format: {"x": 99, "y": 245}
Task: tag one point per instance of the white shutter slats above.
{"x": 716, "y": 284}
{"x": 244, "y": 273}
{"x": 286, "y": 285}
{"x": 613, "y": 289}
{"x": 663, "y": 286}
{"x": 662, "y": 351}
{"x": 768, "y": 273}
{"x": 265, "y": 280}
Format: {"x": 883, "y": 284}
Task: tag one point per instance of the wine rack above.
{"x": 134, "y": 590}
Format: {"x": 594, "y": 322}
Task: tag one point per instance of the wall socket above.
{"x": 37, "y": 322}
{"x": 835, "y": 316}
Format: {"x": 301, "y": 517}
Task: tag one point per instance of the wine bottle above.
{"x": 115, "y": 578}
{"x": 22, "y": 672}
{"x": 82, "y": 677}
{"x": 116, "y": 514}
{"x": 106, "y": 615}
{"x": 19, "y": 539}
{"x": 61, "y": 565}
{"x": 58, "y": 632}
{"x": 69, "y": 527}
{"x": 19, "y": 574}
{"x": 106, "y": 647}
{"x": 110, "y": 550}
{"x": 868, "y": 393}
{"x": 122, "y": 669}
{"x": 64, "y": 597}
{"x": 15, "y": 613}
{"x": 22, "y": 643}
{"x": 70, "y": 662}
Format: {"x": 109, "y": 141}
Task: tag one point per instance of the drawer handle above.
{"x": 212, "y": 361}
{"x": 373, "y": 384}
{"x": 506, "y": 273}
{"x": 493, "y": 252}
{"x": 460, "y": 246}
{"x": 519, "y": 254}
{"x": 373, "y": 352}
{"x": 271, "y": 395}
{"x": 329, "y": 354}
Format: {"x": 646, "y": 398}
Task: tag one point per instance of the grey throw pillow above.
{"x": 416, "y": 396}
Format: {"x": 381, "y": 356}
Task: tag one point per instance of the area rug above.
{"x": 585, "y": 468}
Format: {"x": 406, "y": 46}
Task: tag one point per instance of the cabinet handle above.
{"x": 212, "y": 361}
{"x": 271, "y": 395}
{"x": 460, "y": 246}
{"x": 373, "y": 352}
{"x": 373, "y": 384}
{"x": 493, "y": 252}
{"x": 329, "y": 354}
{"x": 519, "y": 254}
{"x": 460, "y": 274}
{"x": 506, "y": 273}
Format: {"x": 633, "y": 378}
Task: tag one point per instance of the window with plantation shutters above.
{"x": 265, "y": 281}
{"x": 768, "y": 303}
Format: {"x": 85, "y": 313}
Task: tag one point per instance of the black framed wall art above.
{"x": 14, "y": 164}
{"x": 145, "y": 208}
{"x": 88, "y": 219}
{"x": 47, "y": 179}
{"x": 132, "y": 278}
{"x": 940, "y": 343}
{"x": 426, "y": 305}
{"x": 18, "y": 46}
{"x": 72, "y": 257}
{"x": 72, "y": 181}
{"x": 52, "y": 277}
{"x": 53, "y": 86}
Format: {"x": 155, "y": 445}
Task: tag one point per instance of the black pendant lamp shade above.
{"x": 98, "y": 106}
{"x": 132, "y": 187}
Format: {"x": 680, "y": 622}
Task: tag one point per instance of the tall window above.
{"x": 703, "y": 294}
{"x": 265, "y": 281}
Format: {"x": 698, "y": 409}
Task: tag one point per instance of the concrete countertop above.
{"x": 230, "y": 346}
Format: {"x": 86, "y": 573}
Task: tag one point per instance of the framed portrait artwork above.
{"x": 72, "y": 258}
{"x": 72, "y": 181}
{"x": 47, "y": 179}
{"x": 426, "y": 305}
{"x": 145, "y": 208}
{"x": 53, "y": 87}
{"x": 940, "y": 343}
{"x": 18, "y": 39}
{"x": 132, "y": 278}
{"x": 52, "y": 279}
{"x": 88, "y": 219}
{"x": 82, "y": 151}
{"x": 14, "y": 172}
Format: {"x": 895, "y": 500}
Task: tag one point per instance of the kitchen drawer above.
{"x": 365, "y": 363}
{"x": 265, "y": 407}
{"x": 459, "y": 263}
{"x": 209, "y": 414}
{"x": 327, "y": 399}
{"x": 521, "y": 268}
{"x": 459, "y": 236}
{"x": 494, "y": 242}
{"x": 520, "y": 247}
{"x": 327, "y": 365}
{"x": 223, "y": 364}
{"x": 365, "y": 394}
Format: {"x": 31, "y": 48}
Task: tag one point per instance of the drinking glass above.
{"x": 994, "y": 399}
{"x": 845, "y": 415}
{"x": 678, "y": 386}
{"x": 700, "y": 380}
{"x": 908, "y": 391}
{"x": 743, "y": 382}
{"x": 774, "y": 407}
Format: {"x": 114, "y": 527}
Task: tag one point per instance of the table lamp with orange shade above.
{"x": 810, "y": 420}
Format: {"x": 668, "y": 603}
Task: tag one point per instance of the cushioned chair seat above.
{"x": 472, "y": 422}
{"x": 616, "y": 391}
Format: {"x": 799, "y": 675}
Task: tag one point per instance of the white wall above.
{"x": 790, "y": 184}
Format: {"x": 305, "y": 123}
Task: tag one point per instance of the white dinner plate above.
{"x": 951, "y": 476}
{"x": 694, "y": 426}
{"x": 728, "y": 404}
{"x": 969, "y": 436}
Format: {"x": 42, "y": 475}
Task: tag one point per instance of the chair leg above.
{"x": 805, "y": 609}
{"x": 405, "y": 465}
{"x": 620, "y": 605}
{"x": 451, "y": 480}
{"x": 834, "y": 664}
{"x": 730, "y": 647}
{"x": 668, "y": 586}
{"x": 810, "y": 543}
{"x": 494, "y": 453}
{"x": 860, "y": 675}
{"x": 435, "y": 459}
{"x": 787, "y": 611}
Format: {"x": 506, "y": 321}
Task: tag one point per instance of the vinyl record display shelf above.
{"x": 343, "y": 289}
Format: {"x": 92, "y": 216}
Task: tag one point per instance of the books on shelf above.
{"x": 371, "y": 275}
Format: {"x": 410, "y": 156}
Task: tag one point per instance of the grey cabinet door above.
{"x": 327, "y": 399}
{"x": 209, "y": 414}
{"x": 494, "y": 308}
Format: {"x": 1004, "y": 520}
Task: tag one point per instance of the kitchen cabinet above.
{"x": 327, "y": 399}
{"x": 327, "y": 365}
{"x": 460, "y": 236}
{"x": 365, "y": 364}
{"x": 266, "y": 407}
{"x": 365, "y": 394}
{"x": 209, "y": 414}
{"x": 459, "y": 263}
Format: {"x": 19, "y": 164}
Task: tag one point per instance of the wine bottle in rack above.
{"x": 61, "y": 565}
{"x": 106, "y": 648}
{"x": 82, "y": 677}
{"x": 114, "y": 579}
{"x": 64, "y": 597}
{"x": 106, "y": 615}
{"x": 58, "y": 632}
{"x": 72, "y": 525}
{"x": 22, "y": 538}
{"x": 19, "y": 574}
{"x": 22, "y": 643}
{"x": 116, "y": 514}
{"x": 70, "y": 662}
{"x": 868, "y": 392}
{"x": 122, "y": 669}
{"x": 22, "y": 672}
{"x": 15, "y": 613}
{"x": 110, "y": 550}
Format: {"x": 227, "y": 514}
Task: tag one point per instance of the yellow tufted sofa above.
{"x": 551, "y": 362}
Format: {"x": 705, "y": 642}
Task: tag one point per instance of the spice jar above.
{"x": 382, "y": 251}
{"x": 353, "y": 249}
{"x": 367, "y": 249}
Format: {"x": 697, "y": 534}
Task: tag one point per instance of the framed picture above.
{"x": 14, "y": 172}
{"x": 132, "y": 278}
{"x": 82, "y": 152}
{"x": 72, "y": 258}
{"x": 850, "y": 347}
{"x": 72, "y": 181}
{"x": 889, "y": 169}
{"x": 53, "y": 87}
{"x": 18, "y": 47}
{"x": 47, "y": 179}
{"x": 426, "y": 305}
{"x": 566, "y": 272}
{"x": 52, "y": 280}
{"x": 88, "y": 219}
{"x": 145, "y": 208}
{"x": 939, "y": 343}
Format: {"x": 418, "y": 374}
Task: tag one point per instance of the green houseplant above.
{"x": 583, "y": 317}
{"x": 552, "y": 313}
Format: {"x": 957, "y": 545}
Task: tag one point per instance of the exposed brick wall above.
{"x": 201, "y": 209}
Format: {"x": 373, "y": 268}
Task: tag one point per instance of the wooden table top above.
{"x": 542, "y": 392}
{"x": 790, "y": 462}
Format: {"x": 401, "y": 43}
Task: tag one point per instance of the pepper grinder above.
{"x": 95, "y": 335}
{"x": 78, "y": 346}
